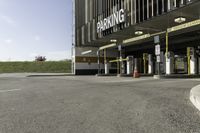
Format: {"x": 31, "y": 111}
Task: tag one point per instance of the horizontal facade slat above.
{"x": 89, "y": 12}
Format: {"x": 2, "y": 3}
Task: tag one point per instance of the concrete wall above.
{"x": 87, "y": 64}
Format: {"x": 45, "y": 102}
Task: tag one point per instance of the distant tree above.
{"x": 40, "y": 58}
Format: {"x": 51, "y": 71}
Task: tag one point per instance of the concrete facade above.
{"x": 102, "y": 26}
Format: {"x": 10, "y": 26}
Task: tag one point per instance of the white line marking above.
{"x": 121, "y": 81}
{"x": 3, "y": 91}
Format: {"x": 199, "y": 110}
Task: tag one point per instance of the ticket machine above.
{"x": 130, "y": 65}
{"x": 169, "y": 63}
{"x": 150, "y": 64}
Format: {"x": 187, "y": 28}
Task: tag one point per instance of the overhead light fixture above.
{"x": 107, "y": 46}
{"x": 138, "y": 32}
{"x": 86, "y": 52}
{"x": 180, "y": 20}
{"x": 113, "y": 40}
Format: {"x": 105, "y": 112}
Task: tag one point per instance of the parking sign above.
{"x": 157, "y": 49}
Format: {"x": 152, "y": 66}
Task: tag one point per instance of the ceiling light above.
{"x": 86, "y": 52}
{"x": 107, "y": 46}
{"x": 113, "y": 40}
{"x": 138, "y": 32}
{"x": 180, "y": 20}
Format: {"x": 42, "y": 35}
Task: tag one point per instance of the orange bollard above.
{"x": 136, "y": 74}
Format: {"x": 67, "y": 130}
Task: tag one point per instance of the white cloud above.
{"x": 8, "y": 41}
{"x": 8, "y": 20}
{"x": 37, "y": 38}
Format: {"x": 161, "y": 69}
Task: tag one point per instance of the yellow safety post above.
{"x": 188, "y": 59}
{"x": 117, "y": 66}
{"x": 145, "y": 55}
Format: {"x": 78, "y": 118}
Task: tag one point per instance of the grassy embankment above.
{"x": 36, "y": 67}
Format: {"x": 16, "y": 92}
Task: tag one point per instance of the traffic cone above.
{"x": 136, "y": 74}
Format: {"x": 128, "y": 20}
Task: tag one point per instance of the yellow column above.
{"x": 167, "y": 43}
{"x": 118, "y": 71}
{"x": 145, "y": 61}
{"x": 188, "y": 59}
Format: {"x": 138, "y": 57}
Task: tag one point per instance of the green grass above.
{"x": 37, "y": 67}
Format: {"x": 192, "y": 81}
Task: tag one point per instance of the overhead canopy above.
{"x": 155, "y": 25}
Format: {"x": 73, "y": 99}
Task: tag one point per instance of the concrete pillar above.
{"x": 135, "y": 64}
{"x": 170, "y": 63}
{"x": 150, "y": 64}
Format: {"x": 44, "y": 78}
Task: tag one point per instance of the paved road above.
{"x": 96, "y": 105}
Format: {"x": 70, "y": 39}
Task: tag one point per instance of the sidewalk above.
{"x": 173, "y": 76}
{"x": 49, "y": 74}
{"x": 5, "y": 75}
{"x": 195, "y": 96}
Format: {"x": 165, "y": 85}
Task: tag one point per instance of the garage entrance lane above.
{"x": 97, "y": 105}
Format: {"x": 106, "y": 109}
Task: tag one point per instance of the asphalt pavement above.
{"x": 89, "y": 104}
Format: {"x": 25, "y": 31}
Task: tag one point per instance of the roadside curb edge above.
{"x": 195, "y": 96}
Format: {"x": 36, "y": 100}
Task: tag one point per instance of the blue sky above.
{"x": 35, "y": 27}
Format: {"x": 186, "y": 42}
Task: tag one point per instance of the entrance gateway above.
{"x": 103, "y": 26}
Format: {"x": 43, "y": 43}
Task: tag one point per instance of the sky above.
{"x": 30, "y": 28}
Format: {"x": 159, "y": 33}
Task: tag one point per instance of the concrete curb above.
{"x": 176, "y": 76}
{"x": 50, "y": 74}
{"x": 105, "y": 75}
{"x": 195, "y": 96}
{"x": 157, "y": 77}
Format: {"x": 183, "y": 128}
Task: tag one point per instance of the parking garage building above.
{"x": 116, "y": 37}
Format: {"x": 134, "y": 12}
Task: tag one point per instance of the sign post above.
{"x": 157, "y": 52}
{"x": 98, "y": 55}
{"x": 120, "y": 58}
